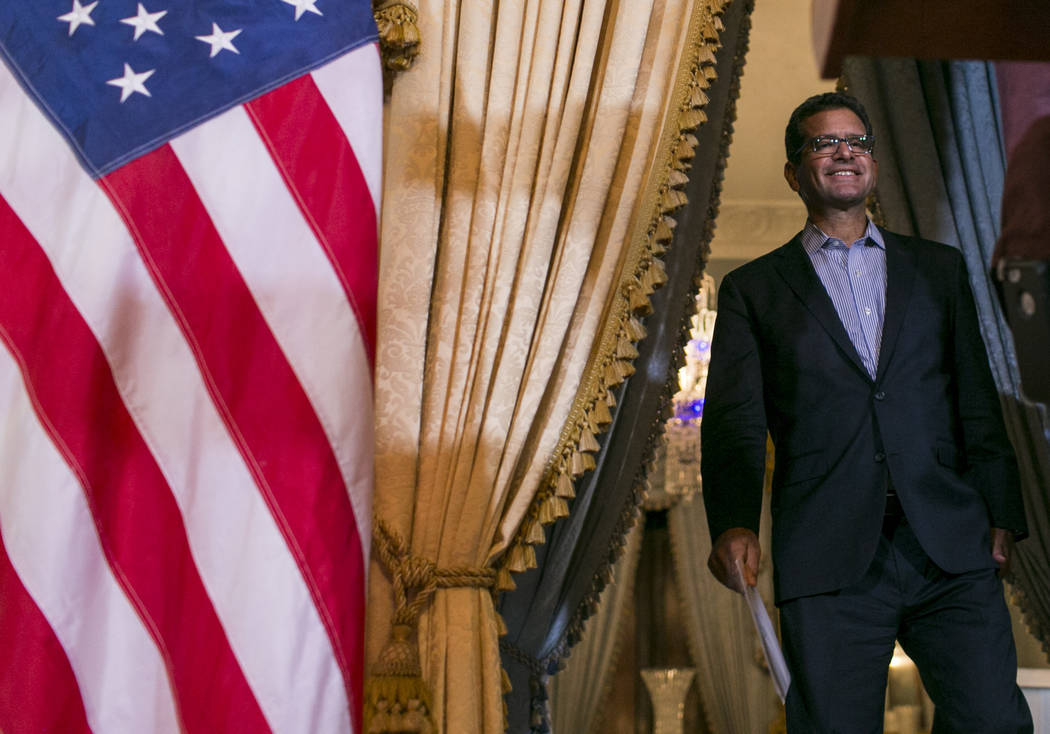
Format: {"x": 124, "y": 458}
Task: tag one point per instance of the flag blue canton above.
{"x": 120, "y": 78}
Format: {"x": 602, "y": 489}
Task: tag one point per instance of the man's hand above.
{"x": 733, "y": 545}
{"x": 1002, "y": 549}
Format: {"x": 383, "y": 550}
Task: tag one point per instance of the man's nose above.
{"x": 842, "y": 150}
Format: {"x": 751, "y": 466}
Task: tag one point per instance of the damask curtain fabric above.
{"x": 526, "y": 190}
{"x": 941, "y": 164}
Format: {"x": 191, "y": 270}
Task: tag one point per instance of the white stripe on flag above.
{"x": 51, "y": 540}
{"x": 358, "y": 108}
{"x": 272, "y": 247}
{"x": 255, "y": 585}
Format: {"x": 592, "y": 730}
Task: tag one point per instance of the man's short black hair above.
{"x": 793, "y": 135}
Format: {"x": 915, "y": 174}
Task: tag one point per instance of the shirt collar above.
{"x": 813, "y": 237}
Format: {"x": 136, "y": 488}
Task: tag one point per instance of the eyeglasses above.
{"x": 826, "y": 145}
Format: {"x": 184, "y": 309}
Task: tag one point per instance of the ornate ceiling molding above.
{"x": 749, "y": 228}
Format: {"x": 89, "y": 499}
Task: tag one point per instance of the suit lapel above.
{"x": 900, "y": 279}
{"x": 794, "y": 267}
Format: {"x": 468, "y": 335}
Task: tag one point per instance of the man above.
{"x": 895, "y": 492}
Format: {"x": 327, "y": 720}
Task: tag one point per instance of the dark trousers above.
{"x": 955, "y": 627}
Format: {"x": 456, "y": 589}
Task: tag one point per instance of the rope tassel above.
{"x": 397, "y": 700}
{"x": 396, "y": 697}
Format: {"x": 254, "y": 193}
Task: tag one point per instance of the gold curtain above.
{"x": 532, "y": 154}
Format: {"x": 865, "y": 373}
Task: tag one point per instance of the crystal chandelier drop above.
{"x": 682, "y": 461}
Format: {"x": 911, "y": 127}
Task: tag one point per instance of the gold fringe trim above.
{"x": 636, "y": 331}
{"x": 535, "y": 535}
{"x": 565, "y": 488}
{"x": 504, "y": 581}
{"x": 686, "y": 146}
{"x": 638, "y": 300}
{"x": 522, "y": 558}
{"x": 664, "y": 230}
{"x": 656, "y": 275}
{"x": 587, "y": 440}
{"x": 395, "y": 704}
{"x": 398, "y": 24}
{"x": 600, "y": 414}
{"x": 501, "y": 626}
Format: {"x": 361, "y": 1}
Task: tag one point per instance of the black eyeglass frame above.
{"x": 865, "y": 144}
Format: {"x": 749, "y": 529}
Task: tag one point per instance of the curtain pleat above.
{"x": 528, "y": 178}
{"x": 941, "y": 165}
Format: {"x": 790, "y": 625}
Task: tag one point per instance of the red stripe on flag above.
{"x": 255, "y": 390}
{"x": 38, "y": 691}
{"x": 323, "y": 175}
{"x": 140, "y": 529}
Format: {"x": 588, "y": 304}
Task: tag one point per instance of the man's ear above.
{"x": 791, "y": 176}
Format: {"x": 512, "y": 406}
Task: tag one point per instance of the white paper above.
{"x": 770, "y": 645}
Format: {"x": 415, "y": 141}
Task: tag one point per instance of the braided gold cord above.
{"x": 418, "y": 578}
{"x": 396, "y": 696}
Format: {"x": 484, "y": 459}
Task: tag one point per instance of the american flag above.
{"x": 188, "y": 215}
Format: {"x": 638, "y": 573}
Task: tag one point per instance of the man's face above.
{"x": 842, "y": 180}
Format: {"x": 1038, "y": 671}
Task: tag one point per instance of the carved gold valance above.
{"x": 398, "y": 34}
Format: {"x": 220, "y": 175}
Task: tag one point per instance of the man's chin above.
{"x": 843, "y": 205}
{"x": 849, "y": 198}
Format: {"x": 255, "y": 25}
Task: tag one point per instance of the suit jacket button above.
{"x": 880, "y": 395}
{"x": 880, "y": 457}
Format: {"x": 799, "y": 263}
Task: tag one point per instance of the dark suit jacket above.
{"x": 930, "y": 421}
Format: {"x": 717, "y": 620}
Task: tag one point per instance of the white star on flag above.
{"x": 220, "y": 40}
{"x": 145, "y": 21}
{"x": 132, "y": 82}
{"x": 301, "y": 6}
{"x": 79, "y": 15}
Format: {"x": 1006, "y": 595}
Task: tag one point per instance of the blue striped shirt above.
{"x": 855, "y": 278}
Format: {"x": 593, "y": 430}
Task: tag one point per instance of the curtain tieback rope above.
{"x": 396, "y": 697}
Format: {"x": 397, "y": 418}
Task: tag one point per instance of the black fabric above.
{"x": 955, "y": 627}
{"x": 545, "y": 613}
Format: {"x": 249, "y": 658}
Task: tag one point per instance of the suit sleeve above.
{"x": 733, "y": 429}
{"x": 992, "y": 466}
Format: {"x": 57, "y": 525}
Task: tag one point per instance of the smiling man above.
{"x": 896, "y": 497}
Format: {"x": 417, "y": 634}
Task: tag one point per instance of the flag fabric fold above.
{"x": 188, "y": 249}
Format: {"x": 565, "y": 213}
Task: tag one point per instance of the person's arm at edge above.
{"x": 733, "y": 442}
{"x": 993, "y": 466}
